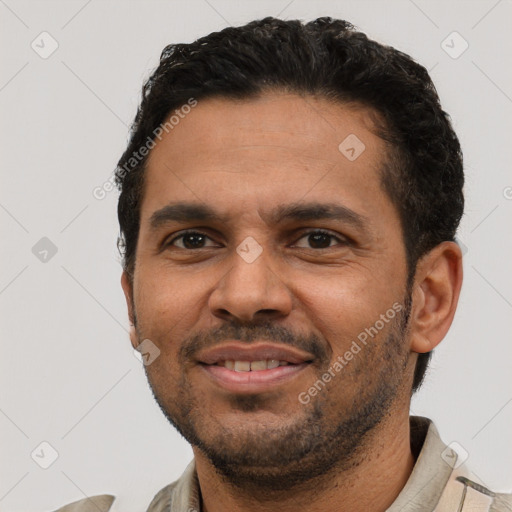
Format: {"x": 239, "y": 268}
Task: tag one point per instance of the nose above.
{"x": 249, "y": 290}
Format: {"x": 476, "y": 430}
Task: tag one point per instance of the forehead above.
{"x": 243, "y": 156}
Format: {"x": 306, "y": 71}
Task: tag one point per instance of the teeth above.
{"x": 246, "y": 366}
{"x": 258, "y": 365}
{"x": 242, "y": 366}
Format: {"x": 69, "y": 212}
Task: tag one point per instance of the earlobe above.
{"x": 436, "y": 293}
{"x": 133, "y": 336}
{"x": 128, "y": 294}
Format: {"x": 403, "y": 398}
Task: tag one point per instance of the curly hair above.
{"x": 423, "y": 172}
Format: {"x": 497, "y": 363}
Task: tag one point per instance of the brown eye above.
{"x": 320, "y": 240}
{"x": 189, "y": 240}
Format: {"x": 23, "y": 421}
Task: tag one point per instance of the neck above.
{"x": 373, "y": 483}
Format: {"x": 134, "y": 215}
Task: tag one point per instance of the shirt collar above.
{"x": 430, "y": 474}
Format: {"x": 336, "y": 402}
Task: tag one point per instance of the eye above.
{"x": 315, "y": 239}
{"x": 320, "y": 239}
{"x": 189, "y": 240}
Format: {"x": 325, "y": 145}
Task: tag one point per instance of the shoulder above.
{"x": 474, "y": 494}
{"x": 100, "y": 503}
{"x": 182, "y": 493}
{"x": 103, "y": 503}
{"x": 502, "y": 503}
{"x": 462, "y": 491}
{"x": 163, "y": 499}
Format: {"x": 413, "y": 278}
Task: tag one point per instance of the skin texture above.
{"x": 348, "y": 447}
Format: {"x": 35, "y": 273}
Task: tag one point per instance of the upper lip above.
{"x": 232, "y": 351}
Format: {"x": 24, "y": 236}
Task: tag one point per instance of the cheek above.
{"x": 167, "y": 304}
{"x": 345, "y": 305}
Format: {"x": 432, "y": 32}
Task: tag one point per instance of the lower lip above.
{"x": 252, "y": 381}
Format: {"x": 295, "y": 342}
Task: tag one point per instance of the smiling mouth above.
{"x": 256, "y": 368}
{"x": 251, "y": 366}
{"x": 247, "y": 377}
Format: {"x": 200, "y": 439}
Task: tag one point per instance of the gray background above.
{"x": 68, "y": 374}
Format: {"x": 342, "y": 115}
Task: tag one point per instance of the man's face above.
{"x": 258, "y": 277}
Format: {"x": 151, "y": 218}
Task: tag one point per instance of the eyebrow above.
{"x": 186, "y": 212}
{"x": 182, "y": 212}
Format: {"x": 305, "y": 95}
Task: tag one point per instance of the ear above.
{"x": 436, "y": 291}
{"x": 128, "y": 294}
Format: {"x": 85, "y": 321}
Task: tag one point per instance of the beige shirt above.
{"x": 438, "y": 483}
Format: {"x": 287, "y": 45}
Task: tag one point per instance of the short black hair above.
{"x": 423, "y": 173}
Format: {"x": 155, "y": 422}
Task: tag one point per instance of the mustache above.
{"x": 249, "y": 333}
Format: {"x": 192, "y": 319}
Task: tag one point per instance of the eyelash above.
{"x": 304, "y": 234}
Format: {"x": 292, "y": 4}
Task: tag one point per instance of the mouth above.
{"x": 254, "y": 368}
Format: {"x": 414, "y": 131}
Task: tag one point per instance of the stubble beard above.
{"x": 322, "y": 439}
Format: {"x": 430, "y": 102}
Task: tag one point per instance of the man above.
{"x": 289, "y": 201}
